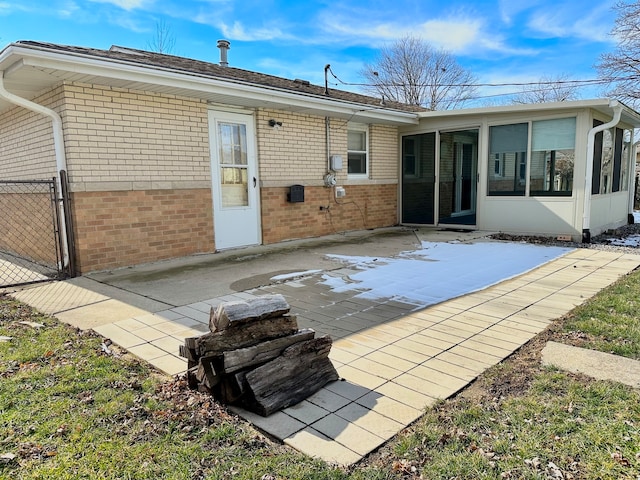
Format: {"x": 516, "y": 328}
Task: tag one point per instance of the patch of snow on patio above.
{"x": 440, "y": 271}
{"x": 288, "y": 276}
{"x": 636, "y": 216}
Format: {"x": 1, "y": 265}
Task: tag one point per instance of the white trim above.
{"x": 359, "y": 127}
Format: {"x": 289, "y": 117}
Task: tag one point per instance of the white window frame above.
{"x": 359, "y": 127}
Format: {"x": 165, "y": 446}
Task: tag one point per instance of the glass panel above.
{"x": 606, "y": 173}
{"x": 357, "y": 163}
{"x": 552, "y": 156}
{"x": 626, "y": 152}
{"x": 617, "y": 160}
{"x": 356, "y": 140}
{"x": 233, "y": 144}
{"x": 457, "y": 179}
{"x": 507, "y": 159}
{"x": 234, "y": 187}
{"x": 418, "y": 179}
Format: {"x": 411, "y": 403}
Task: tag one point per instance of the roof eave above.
{"x": 604, "y": 105}
{"x": 195, "y": 85}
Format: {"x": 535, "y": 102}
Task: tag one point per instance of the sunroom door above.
{"x": 236, "y": 209}
{"x": 458, "y": 177}
{"x": 418, "y": 178}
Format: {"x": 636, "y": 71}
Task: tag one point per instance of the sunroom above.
{"x": 557, "y": 169}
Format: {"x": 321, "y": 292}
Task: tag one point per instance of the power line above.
{"x": 587, "y": 82}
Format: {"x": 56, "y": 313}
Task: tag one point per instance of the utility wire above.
{"x": 587, "y": 82}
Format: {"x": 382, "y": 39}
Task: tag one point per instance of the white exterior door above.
{"x": 236, "y": 209}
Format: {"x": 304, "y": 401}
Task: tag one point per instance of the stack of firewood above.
{"x": 256, "y": 357}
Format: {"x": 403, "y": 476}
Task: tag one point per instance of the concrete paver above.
{"x": 599, "y": 365}
{"x": 394, "y": 359}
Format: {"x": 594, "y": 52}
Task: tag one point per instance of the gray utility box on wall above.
{"x": 296, "y": 194}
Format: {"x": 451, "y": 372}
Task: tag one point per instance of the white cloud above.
{"x": 452, "y": 35}
{"x": 455, "y": 34}
{"x": 562, "y": 22}
{"x": 125, "y": 4}
{"x": 237, "y": 31}
{"x": 7, "y": 8}
{"x": 509, "y": 9}
{"x": 68, "y": 9}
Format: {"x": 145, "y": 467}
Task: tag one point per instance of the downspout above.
{"x": 631, "y": 187}
{"x": 591, "y": 138}
{"x": 58, "y": 143}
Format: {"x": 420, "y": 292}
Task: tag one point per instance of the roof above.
{"x": 603, "y": 105}
{"x": 30, "y": 67}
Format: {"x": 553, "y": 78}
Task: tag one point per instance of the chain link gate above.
{"x": 31, "y": 236}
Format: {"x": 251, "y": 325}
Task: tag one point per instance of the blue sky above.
{"x": 500, "y": 41}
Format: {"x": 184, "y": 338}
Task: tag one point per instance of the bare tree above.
{"x": 163, "y": 40}
{"x": 548, "y": 89}
{"x": 412, "y": 71}
{"x": 621, "y": 68}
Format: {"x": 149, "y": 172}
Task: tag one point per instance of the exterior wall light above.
{"x": 274, "y": 124}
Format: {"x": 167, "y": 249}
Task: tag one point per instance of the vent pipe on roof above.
{"x": 224, "y": 46}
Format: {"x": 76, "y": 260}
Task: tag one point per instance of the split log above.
{"x": 215, "y": 343}
{"x": 206, "y": 373}
{"x": 301, "y": 370}
{"x": 234, "y": 360}
{"x": 236, "y": 314}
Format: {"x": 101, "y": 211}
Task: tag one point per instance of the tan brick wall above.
{"x": 26, "y": 224}
{"x": 126, "y": 139}
{"x": 370, "y": 206}
{"x": 383, "y": 152}
{"x": 115, "y": 229}
{"x": 296, "y": 153}
{"x": 26, "y": 141}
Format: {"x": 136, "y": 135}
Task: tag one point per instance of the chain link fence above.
{"x": 29, "y": 232}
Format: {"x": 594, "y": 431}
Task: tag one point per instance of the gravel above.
{"x": 600, "y": 242}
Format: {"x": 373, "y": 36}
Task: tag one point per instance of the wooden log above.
{"x": 231, "y": 388}
{"x": 206, "y": 373}
{"x": 241, "y": 358}
{"x": 236, "y": 314}
{"x": 192, "y": 380}
{"x": 216, "y": 343}
{"x": 301, "y": 370}
{"x": 188, "y": 353}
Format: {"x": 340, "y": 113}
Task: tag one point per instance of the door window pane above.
{"x": 507, "y": 157}
{"x": 552, "y": 156}
{"x": 233, "y": 144}
{"x": 234, "y": 187}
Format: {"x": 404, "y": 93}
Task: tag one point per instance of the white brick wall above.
{"x": 116, "y": 136}
{"x": 26, "y": 141}
{"x": 296, "y": 153}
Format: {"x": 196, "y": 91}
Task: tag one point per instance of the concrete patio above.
{"x": 395, "y": 358}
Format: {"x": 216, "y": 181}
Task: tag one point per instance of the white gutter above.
{"x": 58, "y": 143}
{"x": 591, "y": 138}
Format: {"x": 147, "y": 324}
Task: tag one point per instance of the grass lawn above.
{"x": 68, "y": 409}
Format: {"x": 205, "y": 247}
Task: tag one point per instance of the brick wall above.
{"x": 116, "y": 229}
{"x": 26, "y": 141}
{"x": 26, "y": 224}
{"x": 296, "y": 153}
{"x": 122, "y": 139}
{"x": 370, "y": 206}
